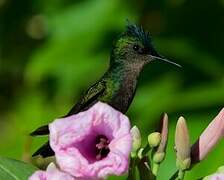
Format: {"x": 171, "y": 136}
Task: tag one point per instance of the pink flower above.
{"x": 209, "y": 138}
{"x": 216, "y": 176}
{"x": 94, "y": 143}
{"x": 52, "y": 173}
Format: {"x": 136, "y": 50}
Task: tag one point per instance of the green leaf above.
{"x": 11, "y": 169}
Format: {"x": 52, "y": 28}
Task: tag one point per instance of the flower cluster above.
{"x": 96, "y": 143}
{"x": 89, "y": 145}
{"x": 187, "y": 155}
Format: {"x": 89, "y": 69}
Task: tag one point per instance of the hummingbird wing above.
{"x": 86, "y": 101}
{"x": 89, "y": 98}
{"x": 45, "y": 150}
{"x": 43, "y": 130}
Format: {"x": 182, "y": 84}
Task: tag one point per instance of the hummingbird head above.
{"x": 134, "y": 46}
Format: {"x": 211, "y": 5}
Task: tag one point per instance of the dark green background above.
{"x": 50, "y": 51}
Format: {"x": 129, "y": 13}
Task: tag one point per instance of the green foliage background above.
{"x": 50, "y": 51}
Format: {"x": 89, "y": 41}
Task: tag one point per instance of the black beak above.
{"x": 154, "y": 55}
{"x": 165, "y": 60}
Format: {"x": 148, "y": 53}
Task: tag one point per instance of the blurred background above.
{"x": 50, "y": 51}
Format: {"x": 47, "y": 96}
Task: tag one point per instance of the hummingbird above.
{"x": 131, "y": 51}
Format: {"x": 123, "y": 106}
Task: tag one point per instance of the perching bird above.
{"x": 130, "y": 53}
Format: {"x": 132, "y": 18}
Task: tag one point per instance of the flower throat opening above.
{"x": 102, "y": 148}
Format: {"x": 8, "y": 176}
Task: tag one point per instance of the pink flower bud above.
{"x": 182, "y": 144}
{"x": 209, "y": 138}
{"x": 163, "y": 129}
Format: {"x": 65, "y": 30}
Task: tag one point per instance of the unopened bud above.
{"x": 182, "y": 144}
{"x": 136, "y": 140}
{"x": 159, "y": 154}
{"x": 183, "y": 164}
{"x": 158, "y": 157}
{"x": 209, "y": 138}
{"x": 154, "y": 139}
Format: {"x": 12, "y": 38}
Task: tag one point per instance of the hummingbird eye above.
{"x": 136, "y": 47}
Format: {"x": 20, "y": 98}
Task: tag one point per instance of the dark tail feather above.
{"x": 43, "y": 130}
{"x": 44, "y": 151}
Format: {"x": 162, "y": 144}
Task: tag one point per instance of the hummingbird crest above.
{"x": 133, "y": 46}
{"x": 138, "y": 32}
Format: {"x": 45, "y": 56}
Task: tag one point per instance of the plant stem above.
{"x": 145, "y": 172}
{"x": 174, "y": 176}
{"x": 146, "y": 149}
{"x": 181, "y": 174}
{"x": 155, "y": 168}
{"x": 132, "y": 169}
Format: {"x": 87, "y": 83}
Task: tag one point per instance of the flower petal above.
{"x": 52, "y": 173}
{"x": 64, "y": 132}
{"x": 73, "y": 140}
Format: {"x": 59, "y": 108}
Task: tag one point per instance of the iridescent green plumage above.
{"x": 131, "y": 51}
